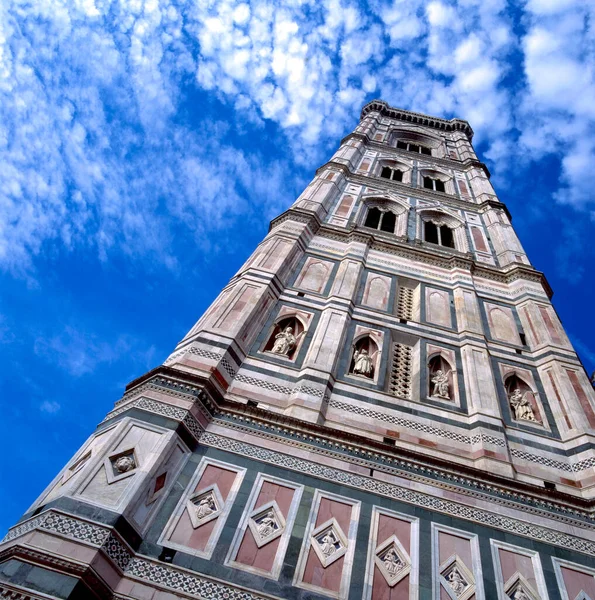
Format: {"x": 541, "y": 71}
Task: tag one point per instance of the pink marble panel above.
{"x": 314, "y": 275}
{"x": 388, "y": 526}
{"x": 339, "y": 510}
{"x": 316, "y": 574}
{"x": 549, "y": 325}
{"x": 451, "y": 544}
{"x": 344, "y": 206}
{"x": 438, "y": 307}
{"x": 382, "y": 591}
{"x": 249, "y": 553}
{"x": 183, "y": 532}
{"x": 478, "y": 239}
{"x": 575, "y": 582}
{"x": 512, "y": 562}
{"x": 237, "y": 308}
{"x": 502, "y": 324}
{"x": 582, "y": 397}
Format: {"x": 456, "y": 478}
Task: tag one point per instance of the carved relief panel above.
{"x": 326, "y": 558}
{"x": 198, "y": 519}
{"x": 456, "y": 564}
{"x": 518, "y": 571}
{"x": 261, "y": 540}
{"x": 392, "y": 569}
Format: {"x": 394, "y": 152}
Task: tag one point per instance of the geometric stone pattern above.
{"x": 187, "y": 582}
{"x": 400, "y": 379}
{"x": 267, "y": 385}
{"x": 389, "y": 490}
{"x": 405, "y": 303}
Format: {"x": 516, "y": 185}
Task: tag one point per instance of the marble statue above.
{"x": 267, "y": 525}
{"x": 363, "y": 362}
{"x": 328, "y": 544}
{"x": 456, "y": 582}
{"x": 520, "y": 594}
{"x": 440, "y": 381}
{"x": 523, "y": 411}
{"x": 392, "y": 563}
{"x": 285, "y": 341}
{"x": 205, "y": 507}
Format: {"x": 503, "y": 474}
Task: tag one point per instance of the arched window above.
{"x": 411, "y": 147}
{"x": 285, "y": 337}
{"x": 435, "y": 184}
{"x": 393, "y": 174}
{"x": 441, "y": 235}
{"x": 383, "y": 220}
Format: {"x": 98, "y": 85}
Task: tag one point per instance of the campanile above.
{"x": 382, "y": 404}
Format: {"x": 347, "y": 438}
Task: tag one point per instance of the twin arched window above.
{"x": 438, "y": 234}
{"x": 382, "y": 220}
{"x": 391, "y": 173}
{"x": 432, "y": 183}
{"x": 411, "y": 147}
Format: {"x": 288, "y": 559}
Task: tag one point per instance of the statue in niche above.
{"x": 440, "y": 383}
{"x": 123, "y": 464}
{"x": 523, "y": 411}
{"x": 328, "y": 544}
{"x": 285, "y": 341}
{"x": 363, "y": 363}
{"x": 392, "y": 562}
{"x": 456, "y": 582}
{"x": 267, "y": 525}
{"x": 205, "y": 507}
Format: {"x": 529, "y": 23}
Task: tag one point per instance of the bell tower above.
{"x": 381, "y": 404}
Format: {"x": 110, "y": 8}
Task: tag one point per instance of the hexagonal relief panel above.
{"x": 518, "y": 588}
{"x": 121, "y": 465}
{"x": 392, "y": 560}
{"x": 329, "y": 542}
{"x": 456, "y": 578}
{"x": 205, "y": 505}
{"x": 266, "y": 523}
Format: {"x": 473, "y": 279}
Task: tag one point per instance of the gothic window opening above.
{"x": 363, "y": 359}
{"x": 410, "y": 147}
{"x": 390, "y": 173}
{"x": 434, "y": 184}
{"x": 521, "y": 400}
{"x": 285, "y": 338}
{"x": 382, "y": 220}
{"x": 441, "y": 235}
{"x": 440, "y": 378}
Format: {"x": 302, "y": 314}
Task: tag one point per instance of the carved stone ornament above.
{"x": 266, "y": 523}
{"x": 205, "y": 505}
{"x": 329, "y": 542}
{"x": 518, "y": 588}
{"x": 392, "y": 560}
{"x": 520, "y": 404}
{"x": 440, "y": 384}
{"x": 456, "y": 578}
{"x": 121, "y": 465}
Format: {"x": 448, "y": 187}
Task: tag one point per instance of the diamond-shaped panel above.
{"x": 518, "y": 588}
{"x": 266, "y": 523}
{"x": 205, "y": 505}
{"x": 456, "y": 578}
{"x": 329, "y": 542}
{"x": 392, "y": 560}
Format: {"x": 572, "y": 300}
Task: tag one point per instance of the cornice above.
{"x": 399, "y": 114}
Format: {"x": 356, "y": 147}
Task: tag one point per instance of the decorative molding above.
{"x": 187, "y": 582}
{"x": 410, "y": 496}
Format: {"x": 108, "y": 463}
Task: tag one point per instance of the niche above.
{"x": 522, "y": 400}
{"x": 364, "y": 358}
{"x": 286, "y": 337}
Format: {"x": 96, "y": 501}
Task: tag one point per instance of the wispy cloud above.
{"x": 49, "y": 407}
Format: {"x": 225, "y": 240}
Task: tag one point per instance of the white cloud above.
{"x": 49, "y": 406}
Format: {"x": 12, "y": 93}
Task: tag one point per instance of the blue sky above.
{"x": 144, "y": 145}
